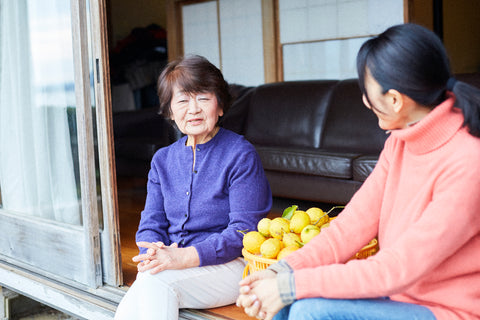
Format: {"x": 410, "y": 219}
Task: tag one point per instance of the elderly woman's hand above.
{"x": 160, "y": 257}
{"x": 259, "y": 295}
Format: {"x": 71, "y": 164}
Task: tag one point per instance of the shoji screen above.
{"x": 320, "y": 38}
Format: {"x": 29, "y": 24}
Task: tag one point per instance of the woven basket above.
{"x": 255, "y": 263}
{"x": 258, "y": 263}
{"x": 369, "y": 250}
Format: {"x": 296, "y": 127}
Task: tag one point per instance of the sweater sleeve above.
{"x": 354, "y": 227}
{"x": 250, "y": 200}
{"x": 447, "y": 224}
{"x": 153, "y": 223}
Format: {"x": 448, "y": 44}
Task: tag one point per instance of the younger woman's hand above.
{"x": 259, "y": 295}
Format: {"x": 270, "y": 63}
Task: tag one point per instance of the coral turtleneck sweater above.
{"x": 423, "y": 202}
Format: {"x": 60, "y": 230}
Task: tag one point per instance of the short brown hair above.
{"x": 193, "y": 74}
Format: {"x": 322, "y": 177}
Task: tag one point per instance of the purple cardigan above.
{"x": 226, "y": 192}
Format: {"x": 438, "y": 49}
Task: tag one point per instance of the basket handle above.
{"x": 246, "y": 270}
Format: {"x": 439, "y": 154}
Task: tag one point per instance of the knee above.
{"x": 308, "y": 309}
{"x": 300, "y": 310}
{"x": 147, "y": 284}
{"x": 144, "y": 293}
{"x": 282, "y": 314}
{"x": 158, "y": 279}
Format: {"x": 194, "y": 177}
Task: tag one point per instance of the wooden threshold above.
{"x": 231, "y": 312}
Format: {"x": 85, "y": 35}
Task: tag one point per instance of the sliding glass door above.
{"x": 49, "y": 200}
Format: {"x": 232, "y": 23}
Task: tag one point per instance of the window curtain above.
{"x": 37, "y": 176}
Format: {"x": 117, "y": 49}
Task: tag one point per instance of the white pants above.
{"x": 161, "y": 295}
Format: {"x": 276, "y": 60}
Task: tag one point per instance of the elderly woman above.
{"x": 421, "y": 200}
{"x": 202, "y": 191}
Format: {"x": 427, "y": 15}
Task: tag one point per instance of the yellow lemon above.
{"x": 285, "y": 252}
{"x": 325, "y": 225}
{"x": 309, "y": 232}
{"x": 263, "y": 227}
{"x": 278, "y": 227}
{"x": 252, "y": 241}
{"x": 300, "y": 220}
{"x": 271, "y": 247}
{"x": 292, "y": 240}
{"x": 317, "y": 216}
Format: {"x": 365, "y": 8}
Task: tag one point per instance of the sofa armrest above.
{"x": 363, "y": 166}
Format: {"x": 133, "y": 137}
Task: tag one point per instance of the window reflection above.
{"x": 39, "y": 158}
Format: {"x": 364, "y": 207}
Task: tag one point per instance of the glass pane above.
{"x": 315, "y": 20}
{"x": 242, "y": 41}
{"x": 309, "y": 30}
{"x": 334, "y": 59}
{"x": 391, "y": 14}
{"x": 39, "y": 172}
{"x": 200, "y": 30}
{"x": 353, "y": 18}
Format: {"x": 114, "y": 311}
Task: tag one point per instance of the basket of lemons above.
{"x": 276, "y": 238}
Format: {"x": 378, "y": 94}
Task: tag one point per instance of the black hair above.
{"x": 412, "y": 60}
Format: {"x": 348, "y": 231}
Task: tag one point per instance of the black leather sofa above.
{"x": 316, "y": 139}
{"x": 137, "y": 136}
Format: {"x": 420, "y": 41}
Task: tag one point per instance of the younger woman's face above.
{"x": 195, "y": 115}
{"x": 381, "y": 104}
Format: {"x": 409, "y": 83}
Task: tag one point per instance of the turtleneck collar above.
{"x": 437, "y": 128}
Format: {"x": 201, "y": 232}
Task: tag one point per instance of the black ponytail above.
{"x": 412, "y": 59}
{"x": 468, "y": 100}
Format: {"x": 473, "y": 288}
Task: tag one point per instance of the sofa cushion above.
{"x": 236, "y": 116}
{"x": 349, "y": 125}
{"x": 288, "y": 114}
{"x": 307, "y": 161}
{"x": 139, "y": 134}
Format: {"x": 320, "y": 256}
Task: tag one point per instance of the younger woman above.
{"x": 422, "y": 201}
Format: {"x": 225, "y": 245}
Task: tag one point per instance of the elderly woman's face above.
{"x": 196, "y": 115}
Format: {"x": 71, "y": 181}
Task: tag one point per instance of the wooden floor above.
{"x": 131, "y": 199}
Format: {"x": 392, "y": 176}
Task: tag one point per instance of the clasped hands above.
{"x": 259, "y": 295}
{"x": 161, "y": 257}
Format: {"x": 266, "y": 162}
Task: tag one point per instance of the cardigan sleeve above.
{"x": 153, "y": 223}
{"x": 250, "y": 200}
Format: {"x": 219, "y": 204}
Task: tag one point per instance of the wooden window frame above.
{"x": 272, "y": 48}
